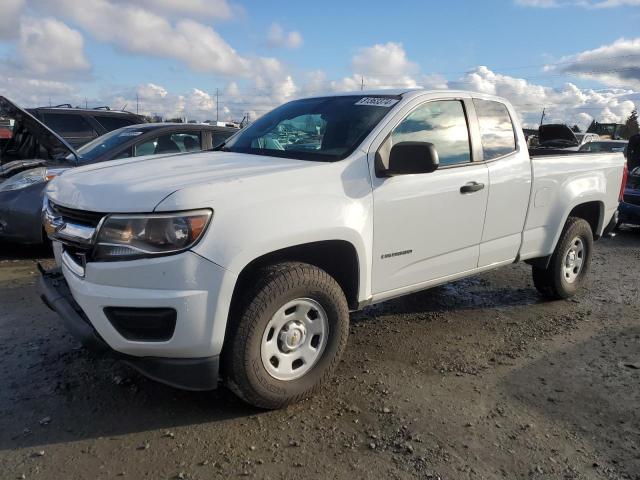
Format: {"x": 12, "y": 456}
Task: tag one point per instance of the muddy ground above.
{"x": 477, "y": 379}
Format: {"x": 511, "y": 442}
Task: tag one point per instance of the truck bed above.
{"x": 555, "y": 175}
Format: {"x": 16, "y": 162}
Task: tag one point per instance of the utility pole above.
{"x": 361, "y": 82}
{"x": 137, "y": 103}
{"x": 86, "y": 105}
{"x": 542, "y": 117}
{"x": 217, "y": 105}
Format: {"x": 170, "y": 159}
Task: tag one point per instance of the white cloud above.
{"x": 152, "y": 99}
{"x": 271, "y": 86}
{"x": 9, "y": 17}
{"x": 617, "y": 64}
{"x": 383, "y": 59}
{"x": 218, "y": 9}
{"x": 278, "y": 38}
{"x": 138, "y": 30}
{"x": 375, "y": 67}
{"x": 48, "y": 47}
{"x": 538, "y": 3}
{"x": 568, "y": 104}
{"x": 33, "y": 92}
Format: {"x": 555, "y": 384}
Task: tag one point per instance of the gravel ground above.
{"x": 476, "y": 379}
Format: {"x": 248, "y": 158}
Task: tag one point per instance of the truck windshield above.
{"x": 320, "y": 129}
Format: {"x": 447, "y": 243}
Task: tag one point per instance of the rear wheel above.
{"x": 569, "y": 264}
{"x": 287, "y": 336}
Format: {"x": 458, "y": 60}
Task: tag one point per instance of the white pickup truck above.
{"x": 242, "y": 264}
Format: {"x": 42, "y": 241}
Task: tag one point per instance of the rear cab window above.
{"x": 496, "y": 129}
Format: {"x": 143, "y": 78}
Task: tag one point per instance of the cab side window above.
{"x": 496, "y": 129}
{"x": 442, "y": 123}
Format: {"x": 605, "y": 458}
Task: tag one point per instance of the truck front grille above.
{"x": 91, "y": 219}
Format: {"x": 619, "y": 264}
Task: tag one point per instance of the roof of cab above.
{"x": 405, "y": 93}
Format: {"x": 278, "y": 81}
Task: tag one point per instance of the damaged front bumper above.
{"x": 185, "y": 373}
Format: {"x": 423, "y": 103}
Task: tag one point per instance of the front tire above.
{"x": 287, "y": 336}
{"x": 569, "y": 264}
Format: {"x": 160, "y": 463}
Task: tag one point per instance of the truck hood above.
{"x": 139, "y": 185}
{"x": 557, "y": 136}
{"x": 31, "y": 138}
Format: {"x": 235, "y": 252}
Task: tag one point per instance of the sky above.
{"x": 577, "y": 59}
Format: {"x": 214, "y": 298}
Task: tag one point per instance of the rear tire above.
{"x": 287, "y": 336}
{"x": 569, "y": 264}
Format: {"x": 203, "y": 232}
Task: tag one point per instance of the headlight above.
{"x": 127, "y": 237}
{"x": 29, "y": 177}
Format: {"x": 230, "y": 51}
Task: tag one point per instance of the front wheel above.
{"x": 569, "y": 264}
{"x": 287, "y": 337}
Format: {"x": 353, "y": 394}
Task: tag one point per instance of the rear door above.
{"x": 510, "y": 178}
{"x": 429, "y": 226}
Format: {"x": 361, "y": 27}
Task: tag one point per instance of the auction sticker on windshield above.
{"x": 377, "y": 102}
{"x": 130, "y": 134}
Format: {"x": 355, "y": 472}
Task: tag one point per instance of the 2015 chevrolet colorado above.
{"x": 243, "y": 263}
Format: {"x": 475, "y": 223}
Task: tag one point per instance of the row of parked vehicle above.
{"x": 39, "y": 144}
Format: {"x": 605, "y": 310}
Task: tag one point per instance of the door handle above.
{"x": 471, "y": 187}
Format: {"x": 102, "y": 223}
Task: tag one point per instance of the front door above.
{"x": 429, "y": 226}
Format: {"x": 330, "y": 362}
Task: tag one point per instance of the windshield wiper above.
{"x": 218, "y": 148}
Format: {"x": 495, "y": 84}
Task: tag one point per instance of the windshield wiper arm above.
{"x": 219, "y": 147}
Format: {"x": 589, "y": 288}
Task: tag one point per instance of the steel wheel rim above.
{"x": 574, "y": 260}
{"x": 294, "y": 339}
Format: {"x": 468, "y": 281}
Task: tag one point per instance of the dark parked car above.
{"x": 35, "y": 155}
{"x": 629, "y": 209}
{"x": 81, "y": 125}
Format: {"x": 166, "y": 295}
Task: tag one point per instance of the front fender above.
{"x": 257, "y": 216}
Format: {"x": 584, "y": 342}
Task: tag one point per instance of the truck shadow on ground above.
{"x": 82, "y": 396}
{"x": 469, "y": 294}
{"x": 79, "y": 396}
{"x": 54, "y": 392}
{"x": 12, "y": 251}
{"x": 590, "y": 390}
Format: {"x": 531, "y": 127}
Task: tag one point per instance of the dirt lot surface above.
{"x": 477, "y": 379}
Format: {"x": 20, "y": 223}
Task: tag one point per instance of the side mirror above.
{"x": 412, "y": 157}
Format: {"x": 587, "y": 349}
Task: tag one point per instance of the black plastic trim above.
{"x": 156, "y": 324}
{"x": 198, "y": 374}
